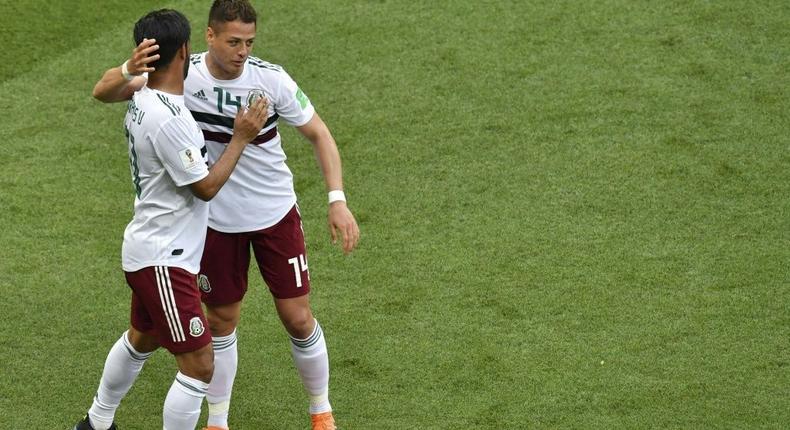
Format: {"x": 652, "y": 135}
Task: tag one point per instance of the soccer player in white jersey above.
{"x": 163, "y": 243}
{"x": 257, "y": 208}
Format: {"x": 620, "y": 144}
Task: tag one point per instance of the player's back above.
{"x": 165, "y": 155}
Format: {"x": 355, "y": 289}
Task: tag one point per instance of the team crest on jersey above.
{"x": 196, "y": 327}
{"x": 253, "y": 96}
{"x": 204, "y": 284}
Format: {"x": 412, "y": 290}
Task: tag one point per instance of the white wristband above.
{"x": 125, "y": 71}
{"x": 336, "y": 196}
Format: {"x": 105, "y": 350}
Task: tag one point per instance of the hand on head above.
{"x": 143, "y": 55}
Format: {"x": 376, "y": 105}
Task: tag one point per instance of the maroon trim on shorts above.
{"x": 218, "y": 136}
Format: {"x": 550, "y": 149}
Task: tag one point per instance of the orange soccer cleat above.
{"x": 324, "y": 421}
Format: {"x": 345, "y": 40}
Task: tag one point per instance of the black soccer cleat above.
{"x": 85, "y": 424}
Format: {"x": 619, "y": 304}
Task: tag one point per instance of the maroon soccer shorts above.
{"x": 166, "y": 304}
{"x": 279, "y": 251}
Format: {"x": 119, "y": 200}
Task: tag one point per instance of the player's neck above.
{"x": 218, "y": 72}
{"x": 170, "y": 80}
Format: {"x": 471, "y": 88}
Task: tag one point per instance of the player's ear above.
{"x": 183, "y": 54}
{"x": 209, "y": 34}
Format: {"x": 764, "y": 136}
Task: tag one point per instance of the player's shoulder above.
{"x": 159, "y": 108}
{"x": 197, "y": 67}
{"x": 197, "y": 58}
{"x": 169, "y": 106}
{"x": 262, "y": 67}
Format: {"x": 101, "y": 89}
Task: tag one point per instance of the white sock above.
{"x": 182, "y": 404}
{"x": 312, "y": 362}
{"x": 226, "y": 360}
{"x": 121, "y": 368}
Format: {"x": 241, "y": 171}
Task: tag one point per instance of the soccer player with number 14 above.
{"x": 257, "y": 207}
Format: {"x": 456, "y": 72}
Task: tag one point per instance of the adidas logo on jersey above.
{"x": 200, "y": 95}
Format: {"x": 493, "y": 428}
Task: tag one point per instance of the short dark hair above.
{"x": 171, "y": 30}
{"x": 223, "y": 11}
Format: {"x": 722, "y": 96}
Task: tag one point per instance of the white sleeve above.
{"x": 178, "y": 144}
{"x": 291, "y": 103}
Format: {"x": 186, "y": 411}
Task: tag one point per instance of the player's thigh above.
{"x": 170, "y": 299}
{"x": 282, "y": 258}
{"x": 223, "y": 268}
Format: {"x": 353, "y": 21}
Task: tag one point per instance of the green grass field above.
{"x": 574, "y": 214}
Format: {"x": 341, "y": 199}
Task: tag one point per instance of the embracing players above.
{"x": 257, "y": 208}
{"x": 163, "y": 243}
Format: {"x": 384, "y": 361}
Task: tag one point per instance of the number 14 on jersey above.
{"x": 229, "y": 100}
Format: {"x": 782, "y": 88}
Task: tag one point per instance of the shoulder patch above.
{"x": 189, "y": 157}
{"x": 302, "y": 98}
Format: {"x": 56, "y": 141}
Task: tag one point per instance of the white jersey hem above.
{"x": 247, "y": 229}
{"x": 137, "y": 267}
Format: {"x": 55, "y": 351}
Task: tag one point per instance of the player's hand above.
{"x": 143, "y": 55}
{"x": 249, "y": 122}
{"x": 343, "y": 224}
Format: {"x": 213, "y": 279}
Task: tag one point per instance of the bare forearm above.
{"x": 221, "y": 170}
{"x": 328, "y": 158}
{"x": 114, "y": 88}
{"x": 340, "y": 219}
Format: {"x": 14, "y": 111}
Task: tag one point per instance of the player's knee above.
{"x": 205, "y": 373}
{"x": 142, "y": 342}
{"x": 202, "y": 369}
{"x": 222, "y": 320}
{"x": 221, "y": 326}
{"x": 300, "y": 324}
{"x": 197, "y": 364}
{"x": 201, "y": 373}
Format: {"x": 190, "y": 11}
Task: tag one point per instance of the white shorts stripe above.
{"x": 164, "y": 306}
{"x": 172, "y": 296}
{"x": 165, "y": 296}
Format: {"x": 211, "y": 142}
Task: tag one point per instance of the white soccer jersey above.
{"x": 166, "y": 154}
{"x": 260, "y": 190}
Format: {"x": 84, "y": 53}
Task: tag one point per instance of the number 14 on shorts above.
{"x": 300, "y": 264}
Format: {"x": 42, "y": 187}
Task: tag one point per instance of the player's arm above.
{"x": 114, "y": 86}
{"x": 340, "y": 218}
{"x": 246, "y": 126}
